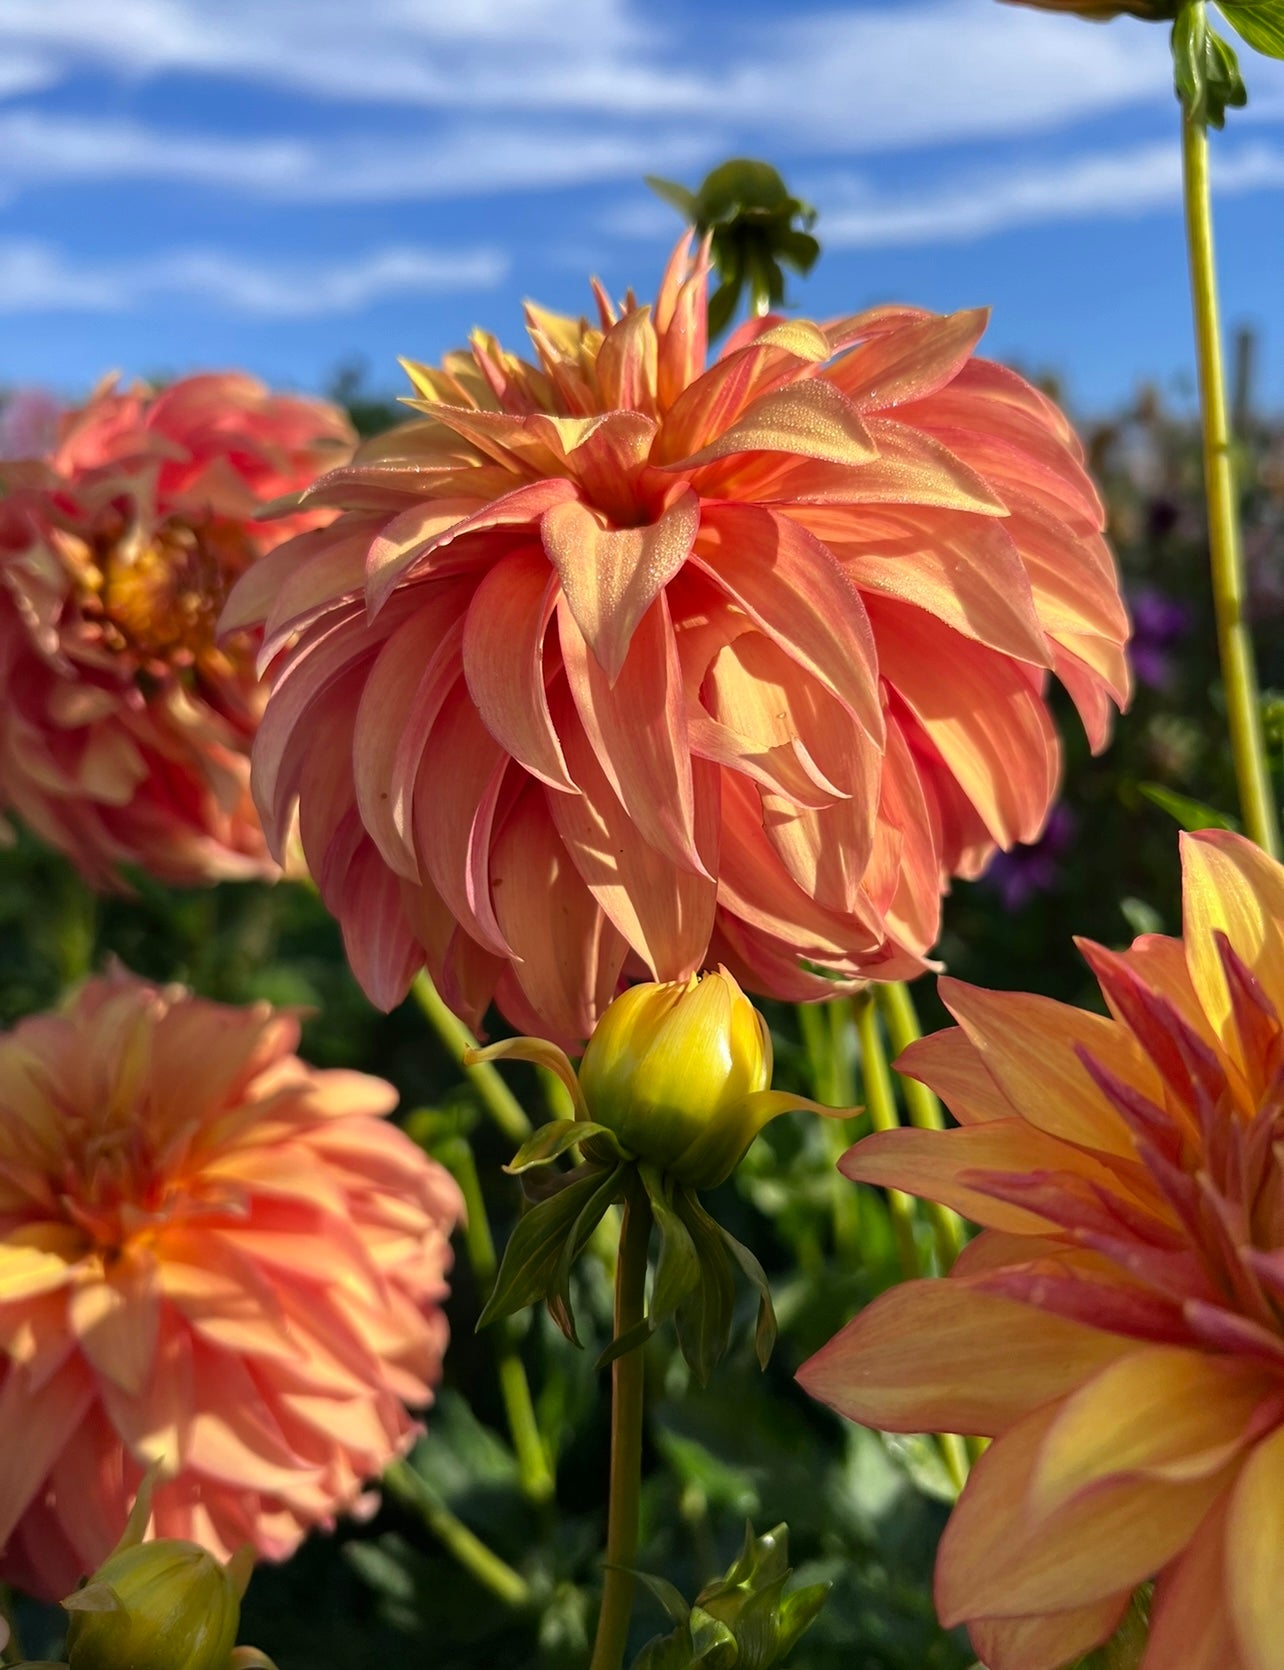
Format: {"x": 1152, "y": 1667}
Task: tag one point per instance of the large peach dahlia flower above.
{"x": 213, "y": 1258}
{"x": 124, "y": 728}
{"x": 1118, "y": 1327}
{"x": 616, "y": 662}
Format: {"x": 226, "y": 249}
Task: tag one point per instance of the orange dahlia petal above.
{"x": 1254, "y": 1557}
{"x": 917, "y": 1360}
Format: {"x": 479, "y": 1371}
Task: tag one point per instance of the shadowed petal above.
{"x": 611, "y": 576}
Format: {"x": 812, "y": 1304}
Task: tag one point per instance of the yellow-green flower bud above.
{"x": 164, "y": 1605}
{"x": 680, "y": 1072}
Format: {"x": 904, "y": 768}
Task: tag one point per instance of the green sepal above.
{"x": 1190, "y": 814}
{"x": 677, "y": 1268}
{"x": 765, "y": 1329}
{"x": 1259, "y": 22}
{"x": 703, "y": 1318}
{"x": 558, "y": 1296}
{"x": 743, "y": 1619}
{"x": 1205, "y": 69}
{"x": 551, "y": 1141}
{"x": 529, "y": 1268}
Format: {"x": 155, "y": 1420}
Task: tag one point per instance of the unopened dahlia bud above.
{"x": 164, "y": 1605}
{"x": 677, "y": 1070}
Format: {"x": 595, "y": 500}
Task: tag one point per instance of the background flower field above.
{"x": 865, "y": 1512}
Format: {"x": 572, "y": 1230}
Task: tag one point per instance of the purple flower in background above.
{"x": 1159, "y": 623}
{"x": 1018, "y": 875}
{"x": 28, "y": 424}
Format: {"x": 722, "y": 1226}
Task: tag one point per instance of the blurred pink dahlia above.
{"x": 212, "y": 1257}
{"x": 616, "y": 664}
{"x": 124, "y": 728}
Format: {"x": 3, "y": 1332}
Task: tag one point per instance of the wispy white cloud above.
{"x": 38, "y": 277}
{"x": 1117, "y": 185}
{"x": 40, "y": 148}
{"x": 845, "y": 78}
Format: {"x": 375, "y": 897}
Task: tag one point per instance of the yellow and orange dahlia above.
{"x": 621, "y": 663}
{"x": 214, "y": 1259}
{"x": 125, "y": 728}
{"x": 1118, "y": 1327}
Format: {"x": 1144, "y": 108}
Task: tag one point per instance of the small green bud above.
{"x": 164, "y": 1605}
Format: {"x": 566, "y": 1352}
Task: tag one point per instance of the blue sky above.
{"x": 290, "y": 184}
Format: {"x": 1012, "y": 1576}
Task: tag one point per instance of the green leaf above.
{"x": 1259, "y": 22}
{"x": 558, "y": 1296}
{"x": 1205, "y": 70}
{"x": 535, "y": 1247}
{"x": 668, "y": 1596}
{"x": 765, "y": 1332}
{"x": 704, "y": 1316}
{"x": 678, "y": 197}
{"x": 677, "y": 1269}
{"x": 551, "y": 1141}
{"x": 1190, "y": 814}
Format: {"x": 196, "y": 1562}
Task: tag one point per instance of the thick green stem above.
{"x": 497, "y": 1098}
{"x": 925, "y": 1112}
{"x": 1234, "y": 644}
{"x": 469, "y": 1550}
{"x": 880, "y": 1103}
{"x": 627, "y": 1394}
{"x": 528, "y": 1445}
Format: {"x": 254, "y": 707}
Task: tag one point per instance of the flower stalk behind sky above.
{"x": 124, "y": 729}
{"x": 618, "y": 664}
{"x": 215, "y": 1261}
{"x": 1116, "y": 1326}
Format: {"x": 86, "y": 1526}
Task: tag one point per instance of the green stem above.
{"x": 880, "y": 1102}
{"x": 497, "y": 1098}
{"x": 816, "y": 1043}
{"x": 833, "y": 1084}
{"x": 508, "y": 1586}
{"x": 1235, "y": 646}
{"x": 925, "y": 1112}
{"x": 532, "y": 1459}
{"x": 627, "y": 1393}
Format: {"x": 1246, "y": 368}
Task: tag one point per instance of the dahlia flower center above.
{"x": 157, "y": 599}
{"x": 115, "y": 1188}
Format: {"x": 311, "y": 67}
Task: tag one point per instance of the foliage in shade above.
{"x": 619, "y": 664}
{"x": 214, "y": 1259}
{"x": 124, "y": 728}
{"x": 1116, "y": 1327}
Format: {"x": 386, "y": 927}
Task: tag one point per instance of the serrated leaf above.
{"x": 765, "y": 1332}
{"x": 534, "y": 1248}
{"x": 1190, "y": 814}
{"x": 551, "y": 1141}
{"x": 1259, "y": 22}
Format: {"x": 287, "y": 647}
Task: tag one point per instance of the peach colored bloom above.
{"x": 124, "y": 729}
{"x": 616, "y": 663}
{"x": 1117, "y": 1325}
{"x": 212, "y": 1257}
